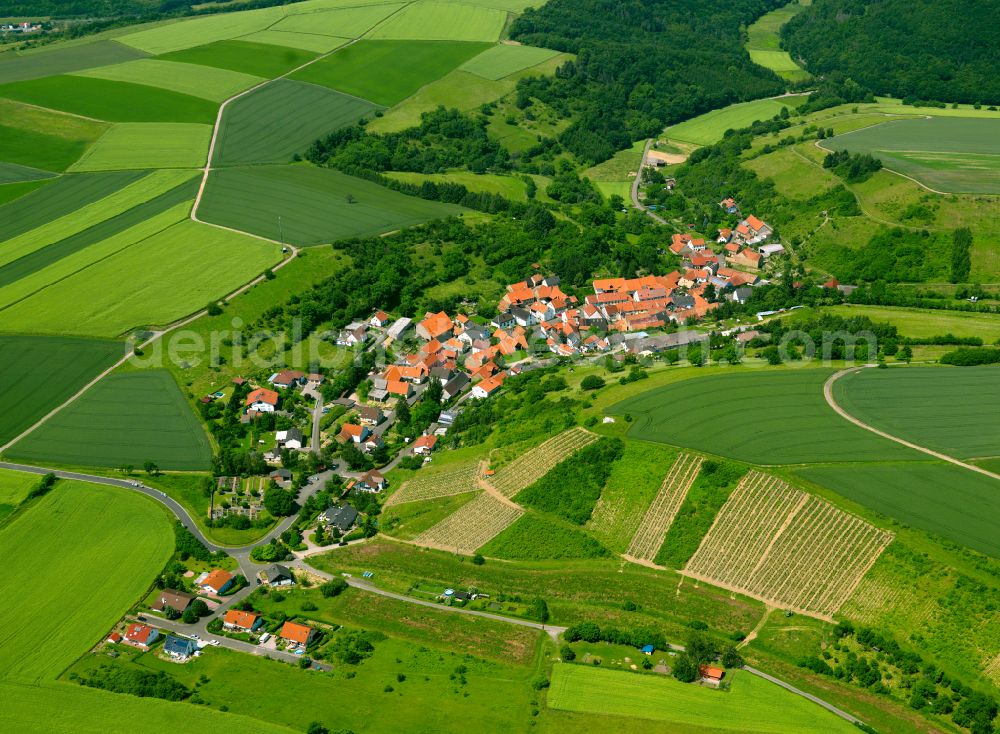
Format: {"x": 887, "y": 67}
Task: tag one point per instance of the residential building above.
{"x": 342, "y": 518}
{"x": 371, "y": 481}
{"x": 278, "y": 575}
{"x": 455, "y": 386}
{"x": 288, "y": 378}
{"x": 262, "y": 400}
{"x": 216, "y": 582}
{"x": 239, "y": 621}
{"x": 141, "y": 635}
{"x": 424, "y": 445}
{"x": 290, "y": 439}
{"x": 297, "y": 634}
{"x": 399, "y": 328}
{"x": 179, "y": 648}
{"x": 379, "y": 319}
{"x": 370, "y": 415}
{"x": 435, "y": 326}
{"x": 176, "y": 600}
{"x": 353, "y": 432}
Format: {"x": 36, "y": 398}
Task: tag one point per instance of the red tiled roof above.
{"x": 238, "y": 618}
{"x": 262, "y": 395}
{"x": 297, "y": 633}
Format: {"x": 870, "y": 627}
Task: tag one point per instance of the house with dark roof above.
{"x": 179, "y": 648}
{"x": 278, "y": 575}
{"x": 342, "y": 518}
{"x": 455, "y": 386}
{"x": 176, "y": 600}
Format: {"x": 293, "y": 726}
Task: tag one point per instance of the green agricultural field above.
{"x": 112, "y": 101}
{"x": 764, "y": 43}
{"x": 11, "y": 191}
{"x": 315, "y": 44}
{"x": 77, "y": 533}
{"x": 437, "y": 21}
{"x": 360, "y": 69}
{"x": 273, "y": 123}
{"x": 260, "y": 59}
{"x": 955, "y": 503}
{"x": 127, "y": 418}
{"x": 508, "y": 186}
{"x": 751, "y": 705}
{"x": 45, "y": 371}
{"x": 349, "y": 22}
{"x": 187, "y": 33}
{"x": 536, "y": 537}
{"x": 148, "y": 145}
{"x": 145, "y": 188}
{"x": 503, "y": 60}
{"x": 13, "y": 173}
{"x": 14, "y": 487}
{"x": 708, "y": 128}
{"x": 788, "y": 422}
{"x": 127, "y": 290}
{"x": 312, "y": 204}
{"x": 954, "y": 410}
{"x": 948, "y": 154}
{"x": 408, "y": 520}
{"x": 40, "y": 138}
{"x": 793, "y": 176}
{"x": 197, "y": 80}
{"x": 63, "y": 59}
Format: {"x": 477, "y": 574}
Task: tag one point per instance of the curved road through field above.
{"x": 832, "y": 402}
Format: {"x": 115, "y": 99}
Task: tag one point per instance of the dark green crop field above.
{"x": 13, "y": 173}
{"x": 760, "y": 417}
{"x": 273, "y": 123}
{"x": 111, "y": 101}
{"x": 955, "y": 410}
{"x": 261, "y": 59}
{"x": 945, "y": 499}
{"x": 127, "y": 418}
{"x": 15, "y": 68}
{"x": 311, "y": 202}
{"x": 38, "y": 373}
{"x": 388, "y": 72}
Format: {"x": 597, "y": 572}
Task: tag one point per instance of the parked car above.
{"x": 265, "y": 637}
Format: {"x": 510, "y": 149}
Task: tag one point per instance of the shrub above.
{"x": 333, "y": 587}
{"x": 592, "y": 382}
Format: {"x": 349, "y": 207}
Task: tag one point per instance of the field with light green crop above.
{"x": 45, "y": 139}
{"x": 349, "y": 22}
{"x": 196, "y": 80}
{"x": 920, "y": 323}
{"x": 128, "y": 290}
{"x": 14, "y": 487}
{"x": 314, "y": 43}
{"x": 148, "y": 145}
{"x": 503, "y": 60}
{"x": 113, "y": 101}
{"x": 761, "y": 417}
{"x": 126, "y": 418}
{"x": 260, "y": 59}
{"x": 65, "y": 59}
{"x": 752, "y": 705}
{"x": 312, "y": 203}
{"x": 360, "y": 69}
{"x": 74, "y": 535}
{"x": 764, "y": 43}
{"x": 258, "y": 128}
{"x": 708, "y": 128}
{"x": 192, "y": 32}
{"x": 440, "y": 21}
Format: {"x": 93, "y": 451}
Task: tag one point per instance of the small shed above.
{"x": 648, "y": 649}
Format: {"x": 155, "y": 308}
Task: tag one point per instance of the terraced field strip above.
{"x": 660, "y": 515}
{"x": 471, "y": 526}
{"x": 535, "y": 464}
{"x": 455, "y": 480}
{"x": 787, "y": 548}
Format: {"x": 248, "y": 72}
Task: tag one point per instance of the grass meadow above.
{"x": 43, "y": 138}
{"x": 708, "y": 128}
{"x": 752, "y": 705}
{"x": 387, "y": 72}
{"x": 14, "y": 487}
{"x": 161, "y": 39}
{"x": 349, "y": 22}
{"x": 259, "y": 59}
{"x": 764, "y": 43}
{"x": 126, "y": 290}
{"x": 312, "y": 204}
{"x": 792, "y": 422}
{"x": 113, "y": 101}
{"x": 954, "y": 503}
{"x": 75, "y": 535}
{"x": 273, "y": 123}
{"x": 534, "y": 536}
{"x": 127, "y": 418}
{"x": 952, "y": 154}
{"x": 508, "y": 186}
{"x": 64, "y": 59}
{"x": 922, "y": 322}
{"x": 45, "y": 371}
{"x": 440, "y": 21}
{"x": 503, "y": 60}
{"x": 148, "y": 145}
{"x": 793, "y": 176}
{"x": 197, "y": 80}
{"x": 955, "y": 410}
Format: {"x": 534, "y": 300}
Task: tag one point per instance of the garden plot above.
{"x": 787, "y": 548}
{"x": 649, "y": 537}
{"x": 454, "y": 480}
{"x": 472, "y": 526}
{"x": 535, "y": 464}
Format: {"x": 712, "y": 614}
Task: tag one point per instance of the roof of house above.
{"x": 370, "y": 412}
{"x": 342, "y": 517}
{"x": 436, "y": 324}
{"x": 217, "y": 579}
{"x": 286, "y": 377}
{"x": 373, "y": 477}
{"x": 276, "y": 571}
{"x": 427, "y": 441}
{"x": 755, "y": 223}
{"x": 179, "y": 645}
{"x": 139, "y": 633}
{"x": 262, "y": 395}
{"x": 178, "y": 600}
{"x": 239, "y": 618}
{"x": 353, "y": 430}
{"x": 710, "y": 671}
{"x": 381, "y": 316}
{"x": 397, "y": 387}
{"x": 491, "y": 384}
{"x": 296, "y": 632}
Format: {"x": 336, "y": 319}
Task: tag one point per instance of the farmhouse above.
{"x": 746, "y": 258}
{"x": 179, "y": 648}
{"x": 262, "y": 400}
{"x": 216, "y": 582}
{"x": 239, "y": 621}
{"x": 711, "y": 674}
{"x": 141, "y": 635}
{"x": 751, "y": 231}
{"x": 379, "y": 319}
{"x": 297, "y": 634}
{"x": 176, "y": 600}
{"x": 424, "y": 445}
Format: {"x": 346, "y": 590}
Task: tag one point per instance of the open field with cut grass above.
{"x": 493, "y": 183}
{"x": 137, "y": 189}
{"x": 148, "y": 145}
{"x": 45, "y": 371}
{"x": 76, "y": 533}
{"x": 361, "y": 68}
{"x": 920, "y": 323}
{"x": 313, "y": 43}
{"x": 197, "y": 80}
{"x": 959, "y": 505}
{"x": 708, "y": 128}
{"x": 792, "y": 423}
{"x": 439, "y": 21}
{"x": 198, "y": 31}
{"x": 126, "y": 290}
{"x": 503, "y": 60}
{"x": 102, "y": 99}
{"x": 764, "y": 43}
{"x": 41, "y": 138}
{"x": 534, "y": 537}
{"x": 65, "y": 59}
{"x": 273, "y": 123}
{"x": 955, "y": 410}
{"x": 259, "y": 59}
{"x": 943, "y": 153}
{"x": 312, "y": 203}
{"x": 793, "y": 176}
{"x": 752, "y": 705}
{"x": 14, "y": 487}
{"x": 127, "y": 418}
